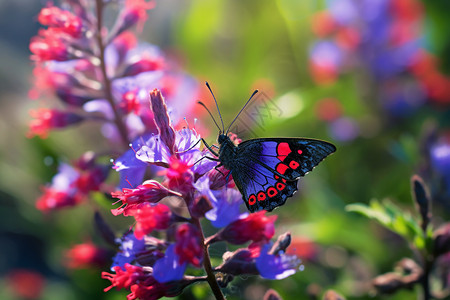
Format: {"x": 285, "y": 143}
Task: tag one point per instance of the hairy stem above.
{"x": 210, "y": 277}
{"x": 106, "y": 81}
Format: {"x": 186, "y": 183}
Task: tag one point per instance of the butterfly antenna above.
{"x": 217, "y": 105}
{"x": 242, "y": 109}
{"x": 202, "y": 104}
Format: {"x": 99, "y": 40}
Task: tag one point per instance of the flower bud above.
{"x": 162, "y": 120}
{"x": 442, "y": 239}
{"x": 332, "y": 295}
{"x": 255, "y": 227}
{"x": 200, "y": 206}
{"x": 422, "y": 199}
{"x": 189, "y": 245}
{"x": 238, "y": 262}
{"x": 272, "y": 295}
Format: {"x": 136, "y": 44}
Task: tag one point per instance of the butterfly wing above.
{"x": 266, "y": 170}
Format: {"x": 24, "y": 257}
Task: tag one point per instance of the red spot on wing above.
{"x": 283, "y": 151}
{"x": 300, "y": 152}
{"x": 261, "y": 196}
{"x": 281, "y": 168}
{"x": 280, "y": 186}
{"x": 293, "y": 164}
{"x": 272, "y": 192}
{"x": 252, "y": 199}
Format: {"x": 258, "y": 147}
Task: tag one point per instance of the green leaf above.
{"x": 392, "y": 217}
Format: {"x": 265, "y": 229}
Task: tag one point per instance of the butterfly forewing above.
{"x": 266, "y": 170}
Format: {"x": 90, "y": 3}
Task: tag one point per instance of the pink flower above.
{"x": 255, "y": 227}
{"x": 86, "y": 255}
{"x": 150, "y": 217}
{"x": 145, "y": 64}
{"x": 189, "y": 245}
{"x": 136, "y": 12}
{"x": 49, "y": 45}
{"x": 69, "y": 23}
{"x": 124, "y": 279}
{"x": 150, "y": 191}
{"x": 53, "y": 199}
{"x": 47, "y": 119}
{"x": 26, "y": 284}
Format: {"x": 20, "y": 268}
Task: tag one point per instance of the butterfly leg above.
{"x": 207, "y": 157}
{"x": 190, "y": 148}
{"x": 217, "y": 169}
{"x": 209, "y": 148}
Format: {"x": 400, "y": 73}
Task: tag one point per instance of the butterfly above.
{"x": 266, "y": 170}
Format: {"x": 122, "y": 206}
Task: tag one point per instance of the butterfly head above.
{"x": 222, "y": 138}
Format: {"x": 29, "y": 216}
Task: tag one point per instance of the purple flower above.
{"x": 154, "y": 151}
{"x": 65, "y": 178}
{"x": 440, "y": 158}
{"x": 130, "y": 168}
{"x": 344, "y": 129}
{"x": 168, "y": 268}
{"x": 277, "y": 266}
{"x": 326, "y": 54}
{"x": 129, "y": 247}
{"x": 226, "y": 203}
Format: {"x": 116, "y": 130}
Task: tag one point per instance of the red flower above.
{"x": 69, "y": 23}
{"x": 150, "y": 289}
{"x": 86, "y": 255}
{"x": 189, "y": 245}
{"x": 91, "y": 180}
{"x": 124, "y": 42}
{"x": 136, "y": 12}
{"x": 179, "y": 174}
{"x": 145, "y": 64}
{"x": 150, "y": 191}
{"x": 255, "y": 227}
{"x": 50, "y": 44}
{"x": 150, "y": 217}
{"x": 26, "y": 284}
{"x": 130, "y": 103}
{"x": 54, "y": 199}
{"x": 124, "y": 279}
{"x": 47, "y": 119}
{"x": 323, "y": 24}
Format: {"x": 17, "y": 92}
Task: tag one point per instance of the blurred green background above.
{"x": 237, "y": 46}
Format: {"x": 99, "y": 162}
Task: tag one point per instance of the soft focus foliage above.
{"x": 369, "y": 76}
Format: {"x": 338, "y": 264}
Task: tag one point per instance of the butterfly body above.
{"x": 266, "y": 170}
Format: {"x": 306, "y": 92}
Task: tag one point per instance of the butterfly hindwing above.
{"x": 266, "y": 170}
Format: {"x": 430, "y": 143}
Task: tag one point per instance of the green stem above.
{"x": 106, "y": 81}
{"x": 210, "y": 277}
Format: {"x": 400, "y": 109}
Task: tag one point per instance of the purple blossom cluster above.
{"x": 382, "y": 42}
{"x": 106, "y": 75}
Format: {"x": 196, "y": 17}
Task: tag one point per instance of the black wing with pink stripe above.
{"x": 266, "y": 170}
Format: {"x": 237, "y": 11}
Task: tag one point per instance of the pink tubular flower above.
{"x": 150, "y": 191}
{"x": 49, "y": 45}
{"x": 69, "y": 23}
{"x": 255, "y": 227}
{"x": 145, "y": 64}
{"x": 86, "y": 255}
{"x": 53, "y": 199}
{"x": 47, "y": 119}
{"x": 136, "y": 12}
{"x": 124, "y": 279}
{"x": 150, "y": 217}
{"x": 91, "y": 180}
{"x": 188, "y": 245}
{"x": 179, "y": 174}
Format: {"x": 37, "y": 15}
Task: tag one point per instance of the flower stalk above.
{"x": 106, "y": 81}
